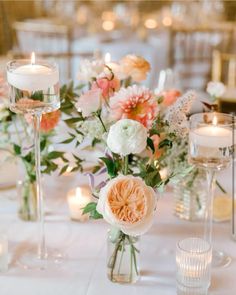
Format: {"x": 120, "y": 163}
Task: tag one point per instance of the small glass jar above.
{"x": 190, "y": 196}
{"x": 122, "y": 257}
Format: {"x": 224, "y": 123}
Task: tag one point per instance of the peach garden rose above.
{"x": 135, "y": 67}
{"x": 127, "y": 203}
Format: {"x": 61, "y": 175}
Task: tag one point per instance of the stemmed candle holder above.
{"x": 210, "y": 147}
{"x": 34, "y": 90}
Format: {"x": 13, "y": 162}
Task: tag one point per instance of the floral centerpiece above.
{"x": 136, "y": 128}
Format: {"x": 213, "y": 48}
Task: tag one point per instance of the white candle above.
{"x": 107, "y": 57}
{"x": 211, "y": 136}
{"x": 3, "y": 254}
{"x": 77, "y": 199}
{"x": 33, "y": 77}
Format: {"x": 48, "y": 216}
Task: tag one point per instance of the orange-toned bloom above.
{"x": 170, "y": 96}
{"x": 126, "y": 202}
{"x": 135, "y": 67}
{"x": 50, "y": 120}
{"x": 156, "y": 140}
{"x": 136, "y": 103}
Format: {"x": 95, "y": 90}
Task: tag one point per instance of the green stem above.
{"x": 122, "y": 254}
{"x": 220, "y": 187}
{"x": 113, "y": 258}
{"x": 131, "y": 262}
{"x": 133, "y": 253}
{"x": 100, "y": 119}
{"x": 126, "y": 165}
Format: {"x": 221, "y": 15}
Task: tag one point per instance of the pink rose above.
{"x": 108, "y": 87}
{"x": 89, "y": 102}
{"x": 170, "y": 96}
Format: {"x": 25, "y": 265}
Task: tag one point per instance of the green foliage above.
{"x": 151, "y": 176}
{"x": 150, "y": 144}
{"x": 165, "y": 143}
{"x": 91, "y": 209}
{"x": 111, "y": 165}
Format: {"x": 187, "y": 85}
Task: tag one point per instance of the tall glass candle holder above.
{"x": 34, "y": 90}
{"x": 210, "y": 147}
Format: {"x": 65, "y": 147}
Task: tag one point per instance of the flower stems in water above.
{"x": 123, "y": 244}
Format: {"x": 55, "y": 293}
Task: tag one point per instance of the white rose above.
{"x": 127, "y": 137}
{"x": 215, "y": 89}
{"x": 127, "y": 203}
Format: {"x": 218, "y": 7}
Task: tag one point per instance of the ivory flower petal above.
{"x": 127, "y": 137}
{"x": 89, "y": 102}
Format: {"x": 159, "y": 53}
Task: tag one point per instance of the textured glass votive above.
{"x": 3, "y": 253}
{"x": 193, "y": 260}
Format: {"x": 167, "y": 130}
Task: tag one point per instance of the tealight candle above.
{"x": 3, "y": 254}
{"x": 77, "y": 199}
{"x": 33, "y": 77}
{"x": 193, "y": 261}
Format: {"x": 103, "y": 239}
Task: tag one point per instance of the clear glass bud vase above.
{"x": 122, "y": 257}
{"x": 190, "y": 196}
{"x": 26, "y": 192}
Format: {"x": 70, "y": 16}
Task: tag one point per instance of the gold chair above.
{"x": 191, "y": 52}
{"x": 224, "y": 68}
{"x": 50, "y": 39}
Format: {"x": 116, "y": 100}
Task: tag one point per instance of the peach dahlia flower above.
{"x": 127, "y": 203}
{"x": 136, "y": 103}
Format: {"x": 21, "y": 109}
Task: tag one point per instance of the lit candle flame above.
{"x": 107, "y": 57}
{"x": 78, "y": 192}
{"x": 214, "y": 121}
{"x": 32, "y": 58}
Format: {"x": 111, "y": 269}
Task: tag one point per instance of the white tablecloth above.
{"x": 84, "y": 270}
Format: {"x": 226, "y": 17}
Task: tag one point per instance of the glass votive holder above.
{"x": 3, "y": 253}
{"x": 193, "y": 261}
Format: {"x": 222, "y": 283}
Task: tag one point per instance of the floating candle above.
{"x": 212, "y": 136}
{"x": 33, "y": 77}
